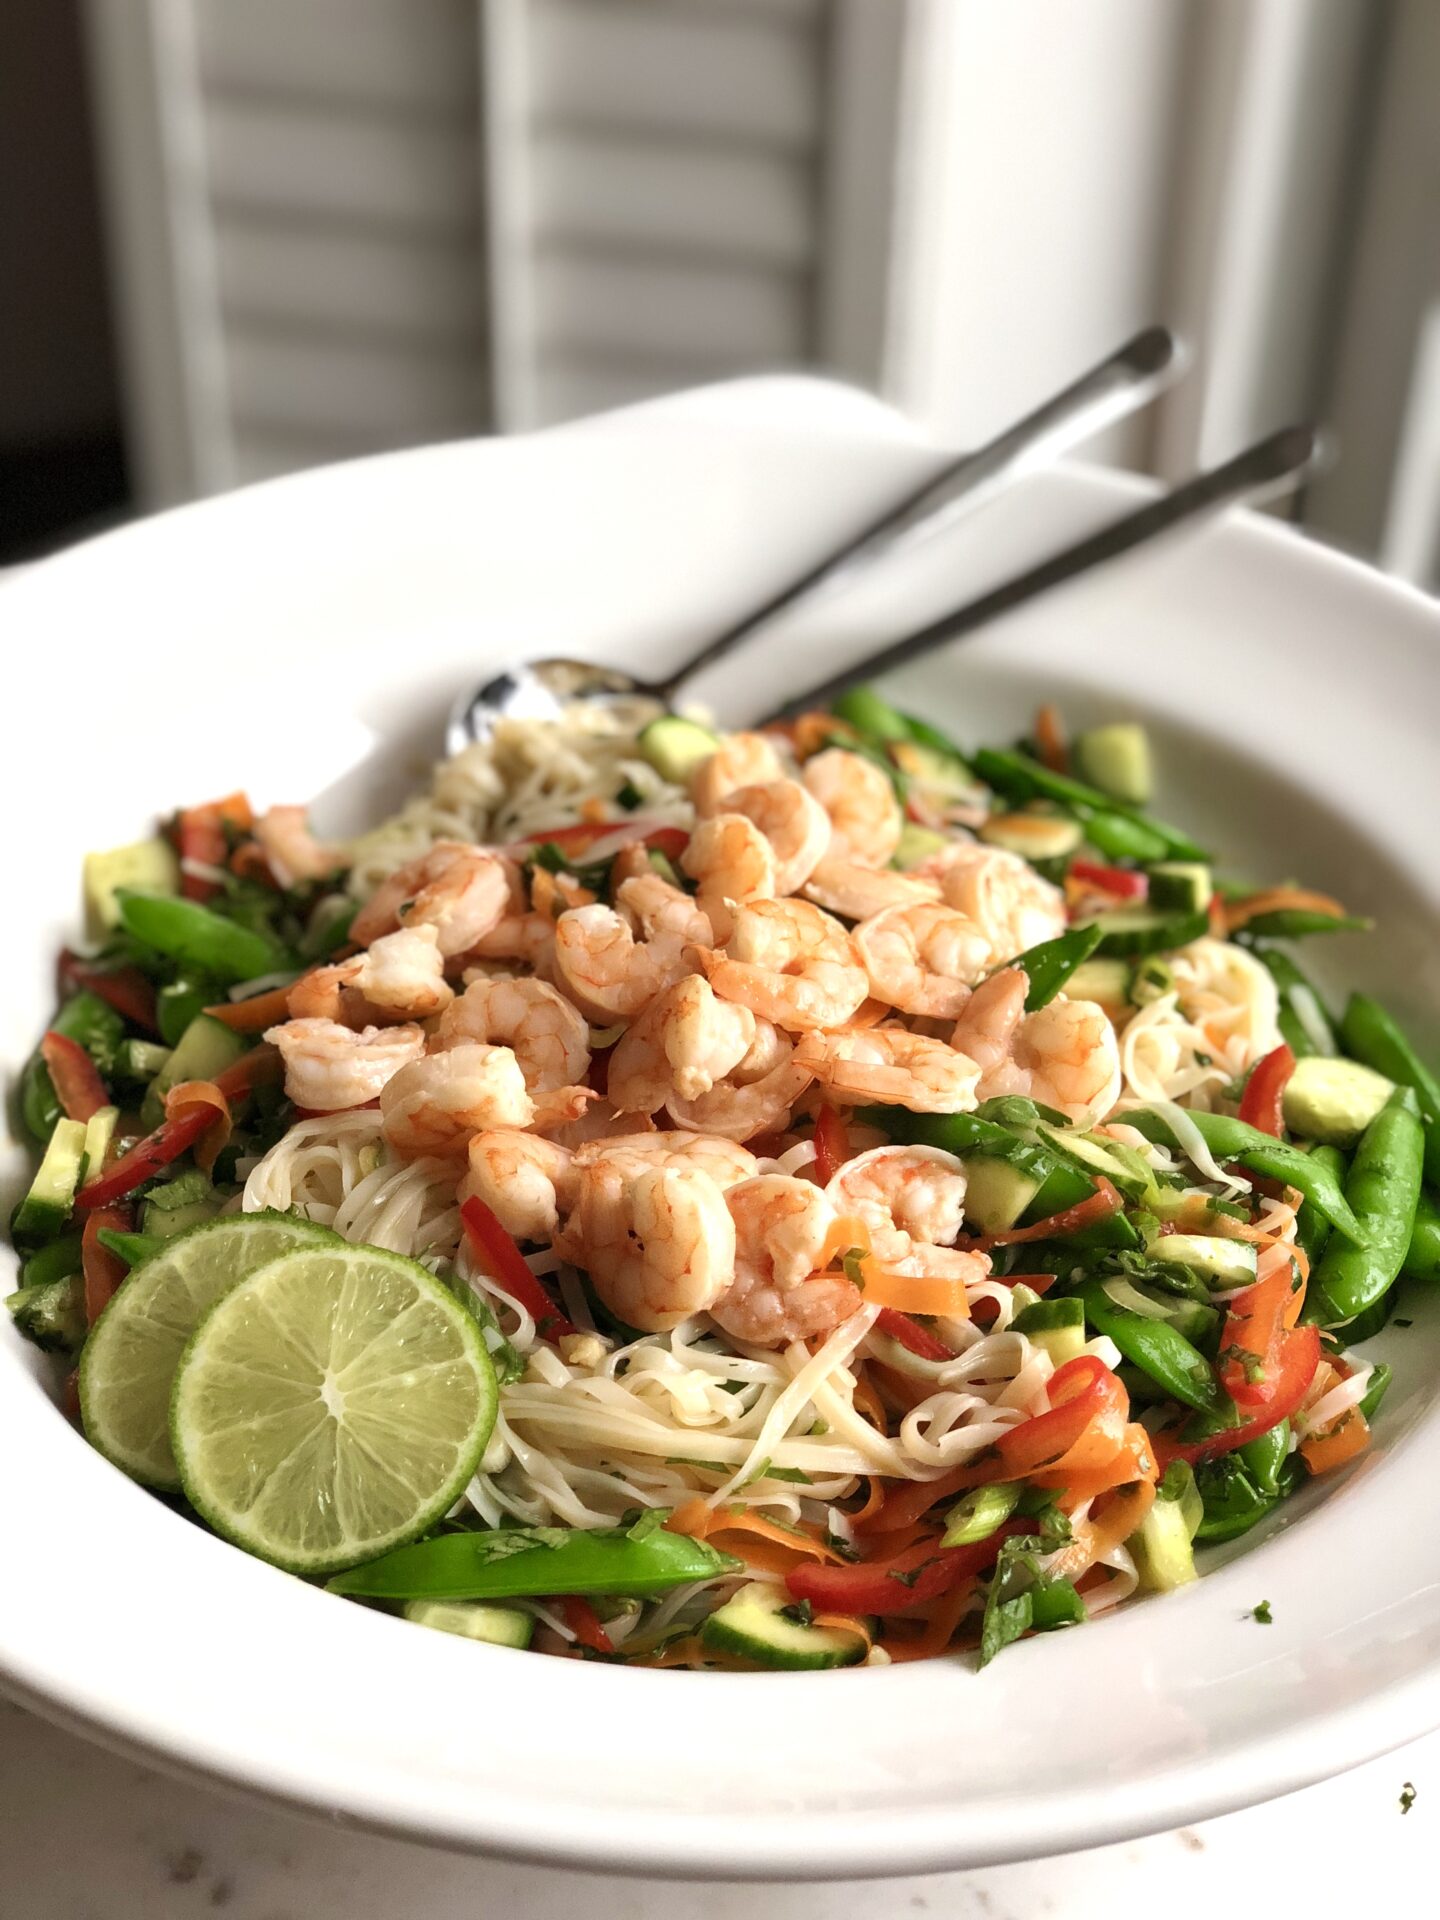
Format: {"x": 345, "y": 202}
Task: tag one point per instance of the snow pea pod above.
{"x": 1422, "y": 1262}
{"x": 1298, "y": 923}
{"x": 1312, "y": 1229}
{"x": 99, "y": 1029}
{"x": 1265, "y": 1456}
{"x": 1384, "y": 1191}
{"x": 1159, "y": 1350}
{"x": 1374, "y": 1039}
{"x": 520, "y": 1561}
{"x": 199, "y": 939}
{"x": 1050, "y": 965}
{"x": 1305, "y": 1026}
{"x": 1229, "y": 1139}
{"x": 1020, "y": 778}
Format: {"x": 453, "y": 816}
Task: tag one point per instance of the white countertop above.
{"x": 87, "y": 1836}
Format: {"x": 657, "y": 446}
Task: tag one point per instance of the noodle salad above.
{"x": 775, "y": 1200}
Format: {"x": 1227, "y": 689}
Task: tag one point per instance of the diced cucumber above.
{"x": 1097, "y": 1156}
{"x": 1181, "y": 886}
{"x": 916, "y": 844}
{"x": 1056, "y": 1325}
{"x": 1106, "y": 982}
{"x": 46, "y": 1207}
{"x": 141, "y": 1059}
{"x": 1127, "y": 932}
{"x": 937, "y": 772}
{"x": 204, "y": 1050}
{"x": 1161, "y": 1549}
{"x": 755, "y": 1625}
{"x": 996, "y": 1193}
{"x": 51, "y": 1315}
{"x": 99, "y": 1132}
{"x": 676, "y": 747}
{"x": 150, "y": 865}
{"x": 1034, "y": 836}
{"x": 164, "y": 1224}
{"x": 1116, "y": 759}
{"x": 1228, "y": 1263}
{"x": 179, "y": 1001}
{"x": 1333, "y": 1100}
{"x": 474, "y": 1620}
{"x": 183, "y": 1191}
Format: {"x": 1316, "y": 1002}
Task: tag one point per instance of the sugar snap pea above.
{"x": 1158, "y": 1349}
{"x": 1376, "y": 1040}
{"x": 1422, "y": 1262}
{"x": 1230, "y": 1139}
{"x": 520, "y": 1561}
{"x": 1383, "y": 1189}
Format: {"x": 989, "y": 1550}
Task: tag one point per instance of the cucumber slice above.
{"x": 167, "y": 1223}
{"x": 474, "y": 1620}
{"x": 46, "y": 1207}
{"x": 676, "y": 747}
{"x": 1333, "y": 1100}
{"x": 204, "y": 1049}
{"x": 150, "y": 865}
{"x": 996, "y": 1193}
{"x": 754, "y": 1625}
{"x": 916, "y": 844}
{"x": 1117, "y": 760}
{"x": 1229, "y": 1263}
{"x": 928, "y": 767}
{"x": 1095, "y": 1157}
{"x": 51, "y": 1315}
{"x": 99, "y": 1132}
{"x": 1161, "y": 1549}
{"x": 141, "y": 1059}
{"x": 1128, "y": 932}
{"x": 1056, "y": 1325}
{"x": 1034, "y": 836}
{"x": 1106, "y": 982}
{"x": 1181, "y": 886}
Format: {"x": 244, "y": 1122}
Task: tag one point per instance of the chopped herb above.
{"x": 852, "y": 1261}
{"x": 684, "y": 1460}
{"x": 823, "y": 1426}
{"x": 1250, "y": 1363}
{"x": 508, "y": 1360}
{"x": 795, "y": 1474}
{"x": 842, "y": 1547}
{"x": 909, "y": 1578}
{"x": 1407, "y": 1797}
{"x": 1263, "y": 1614}
{"x": 1402, "y": 1323}
{"x": 629, "y": 797}
{"x": 802, "y": 1613}
{"x": 762, "y": 1470}
{"x": 649, "y": 1520}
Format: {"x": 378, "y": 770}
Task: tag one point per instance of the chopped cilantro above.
{"x": 1263, "y": 1614}
{"x": 1407, "y": 1797}
{"x": 1402, "y": 1323}
{"x": 649, "y": 1521}
{"x": 801, "y": 1612}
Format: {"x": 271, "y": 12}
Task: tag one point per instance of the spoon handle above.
{"x": 1106, "y": 393}
{"x": 1273, "y": 465}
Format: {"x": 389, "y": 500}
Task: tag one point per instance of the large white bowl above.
{"x": 304, "y": 638}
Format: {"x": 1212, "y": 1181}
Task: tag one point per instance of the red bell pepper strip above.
{"x": 101, "y": 1270}
{"x": 671, "y": 841}
{"x": 920, "y": 1340}
{"x": 78, "y": 1086}
{"x": 577, "y": 840}
{"x": 124, "y": 988}
{"x": 582, "y": 1621}
{"x": 200, "y": 836}
{"x": 832, "y": 1145}
{"x": 176, "y": 1136}
{"x": 921, "y": 1573}
{"x": 1050, "y": 739}
{"x": 1248, "y": 1365}
{"x": 1101, "y": 1204}
{"x": 1262, "y": 1104}
{"x": 1119, "y": 882}
{"x": 1299, "y": 1357}
{"x": 1085, "y": 1427}
{"x": 502, "y": 1259}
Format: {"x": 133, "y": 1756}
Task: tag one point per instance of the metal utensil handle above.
{"x": 1272, "y": 465}
{"x": 1107, "y": 392}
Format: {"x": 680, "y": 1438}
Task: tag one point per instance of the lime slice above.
{"x": 128, "y": 1366}
{"x": 331, "y": 1406}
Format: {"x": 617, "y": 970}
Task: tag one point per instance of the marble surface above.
{"x": 88, "y": 1836}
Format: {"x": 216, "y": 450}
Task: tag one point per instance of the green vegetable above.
{"x": 1127, "y": 932}
{"x": 132, "y": 1248}
{"x": 1264, "y": 1459}
{"x": 1021, "y": 1598}
{"x": 1371, "y": 1036}
{"x": 1422, "y": 1262}
{"x": 56, "y": 1262}
{"x": 1056, "y": 1325}
{"x": 1052, "y": 964}
{"x": 1224, "y": 1263}
{"x": 863, "y": 709}
{"x": 1116, "y": 759}
{"x": 1373, "y": 1320}
{"x": 203, "y": 1051}
{"x": 1305, "y": 1026}
{"x": 1158, "y": 1349}
{"x": 1181, "y": 886}
{"x": 1379, "y": 1385}
{"x": 147, "y": 863}
{"x": 1020, "y": 778}
{"x": 46, "y": 1207}
{"x": 977, "y": 1514}
{"x": 1383, "y": 1190}
{"x": 85, "y": 1018}
{"x": 996, "y": 1193}
{"x": 1233, "y": 1501}
{"x": 916, "y": 844}
{"x": 1229, "y": 1139}
{"x": 51, "y": 1315}
{"x": 1298, "y": 923}
{"x": 1161, "y": 1546}
{"x": 520, "y": 1561}
{"x": 1037, "y": 837}
{"x": 197, "y": 938}
{"x": 759, "y": 1626}
{"x": 1312, "y": 1227}
{"x": 180, "y": 1002}
{"x": 496, "y": 1626}
{"x": 1333, "y": 1100}
{"x": 675, "y": 747}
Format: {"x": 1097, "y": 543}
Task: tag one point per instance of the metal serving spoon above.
{"x": 537, "y": 689}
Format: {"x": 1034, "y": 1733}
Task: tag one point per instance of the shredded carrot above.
{"x": 903, "y": 1506}
{"x": 941, "y": 1619}
{"x": 1094, "y": 1538}
{"x": 1050, "y": 738}
{"x": 913, "y": 1292}
{"x": 1323, "y": 1452}
{"x": 874, "y": 1500}
{"x": 694, "y": 1517}
{"x": 845, "y": 1623}
{"x": 759, "y": 1538}
{"x": 1279, "y": 900}
{"x": 190, "y": 1093}
{"x": 869, "y": 1404}
{"x": 254, "y": 1015}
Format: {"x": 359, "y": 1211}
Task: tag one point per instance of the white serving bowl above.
{"x": 305, "y": 638}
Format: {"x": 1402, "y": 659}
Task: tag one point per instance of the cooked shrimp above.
{"x": 859, "y": 893}
{"x": 434, "y": 1105}
{"x": 793, "y": 821}
{"x": 723, "y": 1161}
{"x": 547, "y": 1035}
{"x": 908, "y": 1197}
{"x": 606, "y": 970}
{"x": 522, "y": 934}
{"x": 1005, "y": 897}
{"x": 741, "y": 760}
{"x": 733, "y": 862}
{"x": 791, "y": 964}
{"x": 658, "y": 1242}
{"x": 459, "y": 890}
{"x": 291, "y": 849}
{"x": 897, "y": 1068}
{"x": 401, "y": 976}
{"x": 1064, "y": 1055}
{"x": 865, "y": 818}
{"x": 922, "y": 959}
{"x": 756, "y": 1097}
{"x": 782, "y": 1226}
{"x": 528, "y": 1183}
{"x": 600, "y": 1121}
{"x": 329, "y": 1068}
{"x": 683, "y": 1042}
